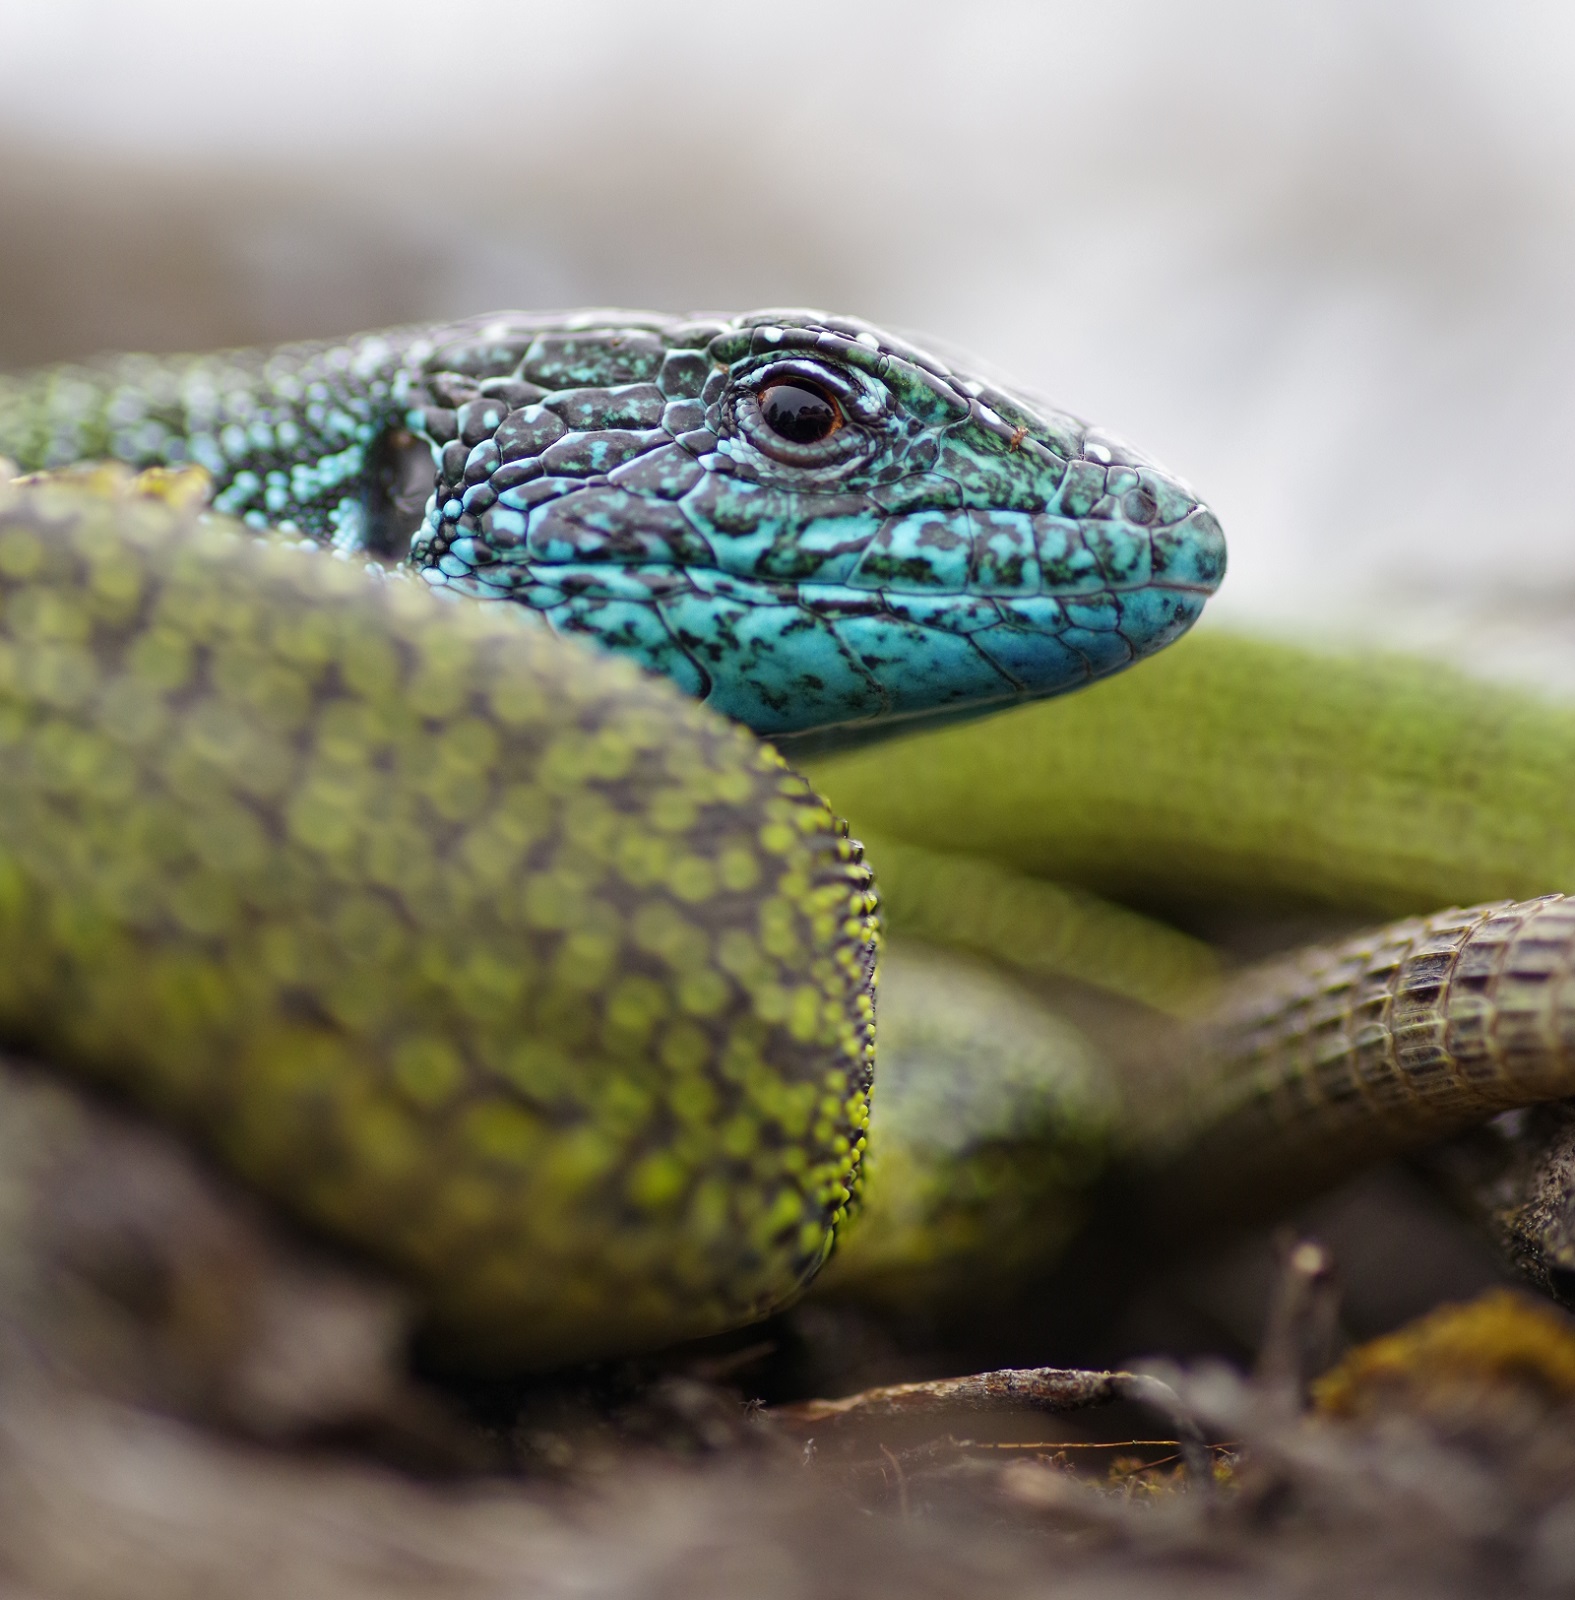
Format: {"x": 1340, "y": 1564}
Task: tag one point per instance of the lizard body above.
{"x": 840, "y": 590}
{"x": 506, "y": 965}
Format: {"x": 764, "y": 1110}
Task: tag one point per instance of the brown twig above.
{"x": 1011, "y": 1388}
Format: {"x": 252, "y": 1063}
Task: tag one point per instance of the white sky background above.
{"x": 1318, "y": 257}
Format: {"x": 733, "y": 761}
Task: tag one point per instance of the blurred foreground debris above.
{"x": 193, "y": 1403}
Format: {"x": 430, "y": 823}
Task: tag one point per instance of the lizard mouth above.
{"x": 862, "y": 618}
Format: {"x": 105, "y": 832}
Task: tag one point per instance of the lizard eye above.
{"x": 799, "y": 412}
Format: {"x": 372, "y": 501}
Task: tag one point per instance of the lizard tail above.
{"x": 1311, "y": 1067}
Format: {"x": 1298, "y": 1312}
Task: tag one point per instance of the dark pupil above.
{"x": 803, "y": 415}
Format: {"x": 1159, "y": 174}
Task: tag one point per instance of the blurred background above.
{"x": 1314, "y": 257}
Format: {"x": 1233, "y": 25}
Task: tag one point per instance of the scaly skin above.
{"x": 994, "y": 1115}
{"x": 1238, "y": 769}
{"x": 979, "y": 1177}
{"x": 1314, "y": 1065}
{"x": 499, "y": 960}
{"x": 1244, "y": 769}
{"x": 993, "y": 1118}
{"x": 1234, "y": 770}
{"x": 1286, "y": 744}
{"x": 950, "y": 548}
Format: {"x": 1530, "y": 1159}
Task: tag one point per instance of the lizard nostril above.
{"x": 1140, "y": 507}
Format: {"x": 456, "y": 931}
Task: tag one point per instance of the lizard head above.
{"x": 806, "y": 522}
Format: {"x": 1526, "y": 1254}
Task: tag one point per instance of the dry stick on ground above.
{"x": 1010, "y": 1389}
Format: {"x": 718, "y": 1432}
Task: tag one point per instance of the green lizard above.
{"x": 587, "y": 1222}
{"x": 625, "y": 966}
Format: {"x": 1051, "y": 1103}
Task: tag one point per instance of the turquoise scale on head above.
{"x": 801, "y": 519}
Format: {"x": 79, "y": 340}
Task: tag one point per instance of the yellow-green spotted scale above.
{"x": 494, "y": 957}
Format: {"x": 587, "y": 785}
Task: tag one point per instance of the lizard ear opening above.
{"x": 400, "y": 477}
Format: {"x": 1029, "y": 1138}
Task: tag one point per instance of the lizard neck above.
{"x": 306, "y": 439}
